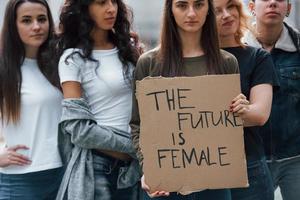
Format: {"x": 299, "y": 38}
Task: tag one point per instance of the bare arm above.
{"x": 256, "y": 111}
{"x": 72, "y": 89}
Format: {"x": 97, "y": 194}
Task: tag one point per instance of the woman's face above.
{"x": 270, "y": 12}
{"x": 104, "y": 13}
{"x": 190, "y": 15}
{"x": 228, "y": 18}
{"x": 33, "y": 24}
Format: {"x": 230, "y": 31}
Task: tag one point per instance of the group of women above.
{"x": 70, "y": 119}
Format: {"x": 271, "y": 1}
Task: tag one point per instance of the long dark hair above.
{"x": 76, "y": 26}
{"x": 12, "y": 52}
{"x": 170, "y": 53}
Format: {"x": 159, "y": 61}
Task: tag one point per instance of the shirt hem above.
{"x": 30, "y": 170}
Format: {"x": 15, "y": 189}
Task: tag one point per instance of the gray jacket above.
{"x": 79, "y": 133}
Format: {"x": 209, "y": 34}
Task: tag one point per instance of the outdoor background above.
{"x": 147, "y": 16}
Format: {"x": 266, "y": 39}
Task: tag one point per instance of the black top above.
{"x": 256, "y": 67}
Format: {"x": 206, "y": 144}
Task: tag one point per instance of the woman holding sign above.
{"x": 257, "y": 78}
{"x": 188, "y": 47}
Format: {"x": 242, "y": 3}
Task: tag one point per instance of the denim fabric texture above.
{"x": 106, "y": 171}
{"x": 42, "y": 185}
{"x": 286, "y": 176}
{"x": 260, "y": 183}
{"x": 223, "y": 194}
{"x": 79, "y": 135}
{"x": 281, "y": 133}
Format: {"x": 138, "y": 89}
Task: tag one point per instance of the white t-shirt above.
{"x": 104, "y": 87}
{"x": 38, "y": 125}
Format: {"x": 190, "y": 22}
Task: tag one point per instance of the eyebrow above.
{"x": 185, "y": 1}
{"x": 229, "y": 1}
{"x": 29, "y": 16}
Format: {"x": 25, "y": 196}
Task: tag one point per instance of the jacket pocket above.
{"x": 290, "y": 80}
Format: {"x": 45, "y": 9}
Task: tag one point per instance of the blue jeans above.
{"x": 286, "y": 175}
{"x": 260, "y": 183}
{"x": 106, "y": 171}
{"x": 223, "y": 194}
{"x": 42, "y": 185}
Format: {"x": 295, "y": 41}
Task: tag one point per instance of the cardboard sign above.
{"x": 189, "y": 139}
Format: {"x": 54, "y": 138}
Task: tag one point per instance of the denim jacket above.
{"x": 79, "y": 133}
{"x": 281, "y": 133}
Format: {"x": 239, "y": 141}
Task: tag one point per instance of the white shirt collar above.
{"x": 284, "y": 42}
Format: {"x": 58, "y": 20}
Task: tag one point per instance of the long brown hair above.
{"x": 170, "y": 53}
{"x": 12, "y": 53}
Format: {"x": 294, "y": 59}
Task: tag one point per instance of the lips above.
{"x": 37, "y": 35}
{"x": 272, "y": 13}
{"x": 191, "y": 22}
{"x": 110, "y": 18}
{"x": 229, "y": 23}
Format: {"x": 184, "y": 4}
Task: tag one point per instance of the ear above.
{"x": 288, "y": 9}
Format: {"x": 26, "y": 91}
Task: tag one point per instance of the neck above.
{"x": 228, "y": 41}
{"x": 268, "y": 35}
{"x": 31, "y": 52}
{"x": 101, "y": 41}
{"x": 191, "y": 44}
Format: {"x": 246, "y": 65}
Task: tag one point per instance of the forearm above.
{"x": 89, "y": 135}
{"x": 256, "y": 111}
{"x": 255, "y": 116}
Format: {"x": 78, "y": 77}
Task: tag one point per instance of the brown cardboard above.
{"x": 168, "y": 137}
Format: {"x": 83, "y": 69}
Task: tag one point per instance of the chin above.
{"x": 36, "y": 44}
{"x": 192, "y": 30}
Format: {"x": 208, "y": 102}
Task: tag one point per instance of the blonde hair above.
{"x": 244, "y": 22}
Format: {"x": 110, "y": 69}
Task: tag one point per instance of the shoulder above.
{"x": 149, "y": 55}
{"x": 226, "y": 55}
{"x": 257, "y": 51}
{"x": 259, "y": 55}
{"x": 71, "y": 56}
{"x": 147, "y": 63}
{"x": 230, "y": 62}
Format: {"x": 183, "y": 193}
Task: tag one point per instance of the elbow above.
{"x": 261, "y": 120}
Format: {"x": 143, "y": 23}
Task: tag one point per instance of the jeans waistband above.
{"x": 110, "y": 159}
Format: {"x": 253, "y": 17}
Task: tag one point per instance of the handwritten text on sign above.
{"x": 188, "y": 134}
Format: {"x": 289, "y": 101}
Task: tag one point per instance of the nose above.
{"x": 225, "y": 13}
{"x": 111, "y": 7}
{"x": 36, "y": 25}
{"x": 191, "y": 12}
{"x": 273, "y": 3}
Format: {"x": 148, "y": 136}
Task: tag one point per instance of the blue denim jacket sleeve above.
{"x": 82, "y": 130}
